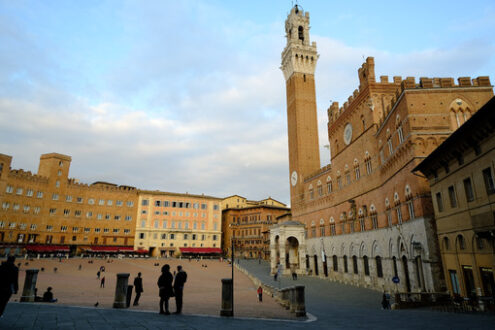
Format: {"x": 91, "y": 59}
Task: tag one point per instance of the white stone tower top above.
{"x": 299, "y": 55}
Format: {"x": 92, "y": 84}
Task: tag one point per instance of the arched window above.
{"x": 367, "y": 162}
{"x": 329, "y": 185}
{"x": 446, "y": 243}
{"x": 301, "y": 33}
{"x": 366, "y": 266}
{"x": 355, "y": 265}
{"x": 320, "y": 188}
{"x": 379, "y": 268}
{"x": 346, "y": 268}
{"x": 357, "y": 172}
{"x": 461, "y": 242}
{"x": 335, "y": 263}
{"x": 394, "y": 260}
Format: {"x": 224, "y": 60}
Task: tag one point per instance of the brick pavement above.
{"x": 335, "y": 305}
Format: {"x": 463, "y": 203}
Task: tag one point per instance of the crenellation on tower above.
{"x": 298, "y": 65}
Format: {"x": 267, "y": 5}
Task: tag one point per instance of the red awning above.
{"x": 200, "y": 250}
{"x": 114, "y": 249}
{"x": 126, "y": 249}
{"x": 103, "y": 249}
{"x": 47, "y": 248}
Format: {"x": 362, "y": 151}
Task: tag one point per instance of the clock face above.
{"x": 348, "y": 133}
{"x": 293, "y": 178}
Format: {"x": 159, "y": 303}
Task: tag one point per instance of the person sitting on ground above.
{"x": 48, "y": 295}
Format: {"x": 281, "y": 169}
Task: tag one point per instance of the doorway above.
{"x": 406, "y": 273}
{"x": 316, "y": 264}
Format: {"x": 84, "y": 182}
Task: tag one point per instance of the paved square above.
{"x": 202, "y": 293}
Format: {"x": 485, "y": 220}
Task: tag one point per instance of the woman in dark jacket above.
{"x": 166, "y": 291}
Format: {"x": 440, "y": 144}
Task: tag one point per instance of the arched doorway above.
{"x": 325, "y": 265}
{"x": 406, "y": 273}
{"x": 316, "y": 264}
{"x": 292, "y": 253}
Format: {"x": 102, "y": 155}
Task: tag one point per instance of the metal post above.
{"x": 233, "y": 237}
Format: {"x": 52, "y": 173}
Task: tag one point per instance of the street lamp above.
{"x": 232, "y": 251}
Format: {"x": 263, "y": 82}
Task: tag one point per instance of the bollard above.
{"x": 121, "y": 290}
{"x": 292, "y": 296}
{"x": 285, "y": 298}
{"x": 300, "y": 308}
{"x": 227, "y": 303}
{"x": 29, "y": 285}
{"x": 128, "y": 296}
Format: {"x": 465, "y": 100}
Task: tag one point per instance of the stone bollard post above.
{"x": 292, "y": 299}
{"x": 29, "y": 285}
{"x": 300, "y": 308}
{"x": 227, "y": 303}
{"x": 286, "y": 298}
{"x": 121, "y": 290}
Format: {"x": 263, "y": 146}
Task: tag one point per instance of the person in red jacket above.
{"x": 260, "y": 294}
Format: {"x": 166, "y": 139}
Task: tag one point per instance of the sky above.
{"x": 188, "y": 96}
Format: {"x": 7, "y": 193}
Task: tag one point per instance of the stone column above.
{"x": 29, "y": 285}
{"x": 227, "y": 303}
{"x": 292, "y": 299}
{"x": 273, "y": 258}
{"x": 282, "y": 258}
{"x": 121, "y": 290}
{"x": 300, "y": 305}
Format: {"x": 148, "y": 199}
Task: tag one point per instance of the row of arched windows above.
{"x": 355, "y": 266}
{"x": 391, "y": 211}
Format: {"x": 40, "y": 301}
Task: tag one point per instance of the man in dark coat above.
{"x": 165, "y": 284}
{"x": 9, "y": 276}
{"x": 180, "y": 279}
{"x": 138, "y": 286}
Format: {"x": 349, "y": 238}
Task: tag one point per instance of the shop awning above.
{"x": 114, "y": 249}
{"x": 47, "y": 248}
{"x": 200, "y": 250}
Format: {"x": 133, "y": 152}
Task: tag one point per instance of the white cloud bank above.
{"x": 207, "y": 115}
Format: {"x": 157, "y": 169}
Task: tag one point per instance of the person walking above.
{"x": 260, "y": 294}
{"x": 102, "y": 282}
{"x": 166, "y": 291}
{"x": 385, "y": 301}
{"x": 138, "y": 286}
{"x": 9, "y": 282}
{"x": 180, "y": 280}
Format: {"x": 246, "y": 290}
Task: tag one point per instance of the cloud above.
{"x": 192, "y": 99}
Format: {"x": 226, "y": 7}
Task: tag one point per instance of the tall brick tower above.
{"x": 298, "y": 64}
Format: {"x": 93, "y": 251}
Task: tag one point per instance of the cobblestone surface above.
{"x": 335, "y": 306}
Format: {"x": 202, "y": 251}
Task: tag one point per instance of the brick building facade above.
{"x": 368, "y": 218}
{"x": 248, "y": 224}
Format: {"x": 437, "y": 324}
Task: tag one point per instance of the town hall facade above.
{"x": 368, "y": 220}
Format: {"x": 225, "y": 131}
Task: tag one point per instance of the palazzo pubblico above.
{"x": 368, "y": 219}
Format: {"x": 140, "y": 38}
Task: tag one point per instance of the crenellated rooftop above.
{"x": 27, "y": 175}
{"x": 367, "y": 79}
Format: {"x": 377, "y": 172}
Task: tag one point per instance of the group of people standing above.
{"x": 170, "y": 287}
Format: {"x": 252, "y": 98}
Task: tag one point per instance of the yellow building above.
{"x": 50, "y": 212}
{"x": 461, "y": 176}
{"x": 171, "y": 224}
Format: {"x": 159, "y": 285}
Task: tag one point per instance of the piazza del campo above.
{"x": 395, "y": 230}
